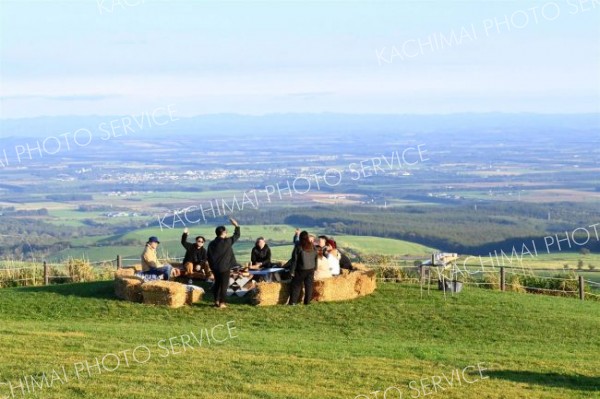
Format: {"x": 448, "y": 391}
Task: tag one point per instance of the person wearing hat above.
{"x": 221, "y": 259}
{"x": 150, "y": 264}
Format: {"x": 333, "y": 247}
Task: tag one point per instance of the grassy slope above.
{"x": 537, "y": 346}
{"x": 170, "y": 243}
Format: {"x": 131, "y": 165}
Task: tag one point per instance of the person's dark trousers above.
{"x": 220, "y": 286}
{"x": 304, "y": 278}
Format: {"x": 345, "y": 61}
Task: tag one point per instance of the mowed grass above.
{"x": 533, "y": 346}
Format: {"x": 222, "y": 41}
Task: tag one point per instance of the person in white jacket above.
{"x": 333, "y": 257}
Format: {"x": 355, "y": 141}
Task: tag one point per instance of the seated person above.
{"x": 322, "y": 243}
{"x": 322, "y": 271}
{"x": 196, "y": 258}
{"x": 150, "y": 264}
{"x": 260, "y": 257}
{"x": 333, "y": 257}
{"x": 345, "y": 262}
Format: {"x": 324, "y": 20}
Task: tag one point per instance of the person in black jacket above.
{"x": 221, "y": 259}
{"x": 345, "y": 262}
{"x": 195, "y": 257}
{"x": 261, "y": 254}
{"x": 302, "y": 269}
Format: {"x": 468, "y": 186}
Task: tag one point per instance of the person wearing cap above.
{"x": 221, "y": 259}
{"x": 150, "y": 263}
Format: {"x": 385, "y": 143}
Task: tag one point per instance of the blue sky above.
{"x": 112, "y": 57}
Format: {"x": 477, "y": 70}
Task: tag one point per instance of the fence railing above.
{"x": 42, "y": 274}
{"x": 45, "y": 272}
{"x": 571, "y": 286}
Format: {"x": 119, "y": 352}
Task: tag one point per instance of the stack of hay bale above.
{"x": 128, "y": 286}
{"x": 168, "y": 293}
{"x": 348, "y": 285}
{"x": 267, "y": 294}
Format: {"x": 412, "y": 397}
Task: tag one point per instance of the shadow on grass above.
{"x": 106, "y": 290}
{"x": 575, "y": 382}
{"x": 96, "y": 289}
{"x": 208, "y": 298}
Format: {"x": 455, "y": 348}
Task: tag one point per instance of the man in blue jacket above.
{"x": 221, "y": 259}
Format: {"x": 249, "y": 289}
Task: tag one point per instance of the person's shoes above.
{"x": 217, "y": 304}
{"x": 222, "y": 306}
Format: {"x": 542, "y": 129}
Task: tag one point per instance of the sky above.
{"x": 118, "y": 57}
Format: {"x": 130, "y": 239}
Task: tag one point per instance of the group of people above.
{"x": 215, "y": 263}
{"x": 313, "y": 261}
{"x": 310, "y": 261}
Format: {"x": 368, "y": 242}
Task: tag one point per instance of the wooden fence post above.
{"x": 581, "y": 288}
{"x": 119, "y": 262}
{"x": 502, "y": 279}
{"x": 422, "y": 272}
{"x": 46, "y": 276}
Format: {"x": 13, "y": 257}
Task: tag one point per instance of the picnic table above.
{"x": 272, "y": 273}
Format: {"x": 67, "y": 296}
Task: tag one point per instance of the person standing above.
{"x": 195, "y": 255}
{"x": 302, "y": 269}
{"x": 221, "y": 259}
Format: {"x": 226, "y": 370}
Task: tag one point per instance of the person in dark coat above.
{"x": 196, "y": 257}
{"x": 261, "y": 254}
{"x": 345, "y": 262}
{"x": 221, "y": 259}
{"x": 302, "y": 269}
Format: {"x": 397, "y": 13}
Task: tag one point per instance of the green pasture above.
{"x": 527, "y": 346}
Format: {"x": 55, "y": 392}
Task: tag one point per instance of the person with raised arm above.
{"x": 196, "y": 258}
{"x": 221, "y": 259}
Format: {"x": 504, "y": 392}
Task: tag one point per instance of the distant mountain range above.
{"x": 312, "y": 124}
